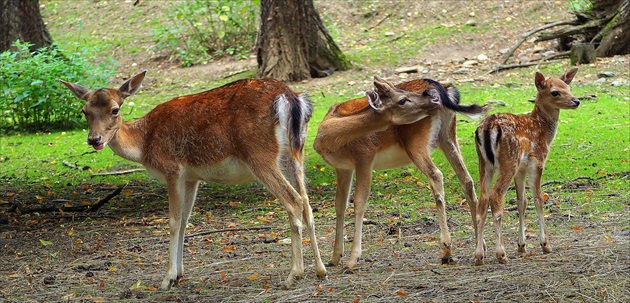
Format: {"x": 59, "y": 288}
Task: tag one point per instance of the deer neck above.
{"x": 340, "y": 128}
{"x": 548, "y": 118}
{"x": 128, "y": 142}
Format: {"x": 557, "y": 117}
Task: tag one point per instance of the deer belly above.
{"x": 230, "y": 171}
{"x": 391, "y": 157}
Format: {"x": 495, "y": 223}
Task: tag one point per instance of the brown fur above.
{"x": 516, "y": 146}
{"x": 369, "y": 143}
{"x": 228, "y": 135}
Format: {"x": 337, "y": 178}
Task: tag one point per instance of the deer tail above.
{"x": 293, "y": 114}
{"x": 451, "y": 102}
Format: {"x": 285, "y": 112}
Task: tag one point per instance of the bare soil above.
{"x": 236, "y": 248}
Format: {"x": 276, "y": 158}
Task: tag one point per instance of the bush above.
{"x": 31, "y": 96}
{"x": 205, "y": 29}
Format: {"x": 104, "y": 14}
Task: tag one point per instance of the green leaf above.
{"x": 45, "y": 243}
{"x": 223, "y": 17}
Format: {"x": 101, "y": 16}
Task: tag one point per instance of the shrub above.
{"x": 31, "y": 96}
{"x": 205, "y": 29}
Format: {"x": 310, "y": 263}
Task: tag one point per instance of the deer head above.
{"x": 555, "y": 92}
{"x": 401, "y": 106}
{"x": 102, "y": 108}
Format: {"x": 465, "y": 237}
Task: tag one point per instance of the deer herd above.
{"x": 255, "y": 129}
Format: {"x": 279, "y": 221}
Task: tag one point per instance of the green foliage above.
{"x": 579, "y": 5}
{"x": 32, "y": 97}
{"x": 206, "y": 29}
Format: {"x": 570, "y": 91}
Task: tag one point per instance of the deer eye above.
{"x": 403, "y": 101}
{"x": 555, "y": 93}
{"x": 115, "y": 111}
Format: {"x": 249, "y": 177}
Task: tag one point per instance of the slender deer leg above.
{"x": 176, "y": 199}
{"x": 187, "y": 206}
{"x": 344, "y": 181}
{"x": 362, "y": 191}
{"x": 538, "y": 200}
{"x": 436, "y": 180}
{"x": 280, "y": 187}
{"x": 297, "y": 179}
{"x": 453, "y": 154}
{"x": 497, "y": 201}
{"x": 485, "y": 180}
{"x": 521, "y": 205}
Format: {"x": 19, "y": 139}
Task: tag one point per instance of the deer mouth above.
{"x": 98, "y": 146}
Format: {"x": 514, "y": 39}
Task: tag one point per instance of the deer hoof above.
{"x": 522, "y": 249}
{"x": 546, "y": 247}
{"x": 449, "y": 260}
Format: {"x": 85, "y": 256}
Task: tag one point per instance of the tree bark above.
{"x": 21, "y": 20}
{"x": 293, "y": 43}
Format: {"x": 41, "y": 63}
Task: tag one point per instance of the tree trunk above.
{"x": 616, "y": 35}
{"x": 21, "y": 20}
{"x": 293, "y": 44}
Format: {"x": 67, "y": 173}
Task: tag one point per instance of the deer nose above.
{"x": 576, "y": 102}
{"x": 94, "y": 141}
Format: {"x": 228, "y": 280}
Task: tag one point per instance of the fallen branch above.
{"x": 203, "y": 233}
{"x": 379, "y": 22}
{"x": 512, "y": 66}
{"x": 120, "y": 172}
{"x": 526, "y": 35}
{"x": 78, "y": 208}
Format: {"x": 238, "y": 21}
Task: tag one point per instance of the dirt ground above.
{"x": 237, "y": 251}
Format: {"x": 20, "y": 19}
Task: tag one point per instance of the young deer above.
{"x": 517, "y": 147}
{"x": 354, "y": 137}
{"x": 243, "y": 131}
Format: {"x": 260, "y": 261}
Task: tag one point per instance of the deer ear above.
{"x": 382, "y": 86}
{"x": 78, "y": 90}
{"x": 568, "y": 77}
{"x": 539, "y": 80}
{"x": 132, "y": 85}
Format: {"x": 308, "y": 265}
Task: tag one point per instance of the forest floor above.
{"x": 241, "y": 254}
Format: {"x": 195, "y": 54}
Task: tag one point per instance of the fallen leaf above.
{"x": 101, "y": 286}
{"x": 45, "y": 243}
{"x": 229, "y": 248}
{"x": 401, "y": 292}
{"x": 254, "y": 277}
{"x": 575, "y": 227}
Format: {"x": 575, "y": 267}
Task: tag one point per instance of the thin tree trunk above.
{"x": 21, "y": 20}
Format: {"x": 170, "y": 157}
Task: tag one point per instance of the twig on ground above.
{"x": 79, "y": 208}
{"x": 379, "y": 22}
{"x": 512, "y": 66}
{"x": 120, "y": 172}
{"x": 203, "y": 233}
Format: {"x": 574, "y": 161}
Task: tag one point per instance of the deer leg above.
{"x": 362, "y": 191}
{"x": 453, "y": 154}
{"x": 497, "y": 201}
{"x": 538, "y": 201}
{"x": 295, "y": 175}
{"x": 280, "y": 187}
{"x": 521, "y": 205}
{"x": 176, "y": 206}
{"x": 344, "y": 180}
{"x": 436, "y": 180}
{"x": 485, "y": 180}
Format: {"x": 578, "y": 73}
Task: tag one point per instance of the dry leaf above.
{"x": 254, "y": 277}
{"x": 401, "y": 292}
{"x": 101, "y": 286}
{"x": 575, "y": 227}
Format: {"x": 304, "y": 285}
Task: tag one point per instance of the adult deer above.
{"x": 355, "y": 137}
{"x": 243, "y": 131}
{"x": 516, "y": 147}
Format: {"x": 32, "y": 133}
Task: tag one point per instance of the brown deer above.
{"x": 517, "y": 147}
{"x": 354, "y": 137}
{"x": 243, "y": 131}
